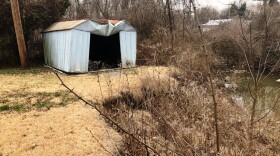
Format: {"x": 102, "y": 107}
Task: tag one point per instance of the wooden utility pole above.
{"x": 19, "y": 33}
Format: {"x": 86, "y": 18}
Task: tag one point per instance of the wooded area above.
{"x": 157, "y": 21}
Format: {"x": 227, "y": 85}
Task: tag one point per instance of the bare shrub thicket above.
{"x": 175, "y": 118}
{"x": 258, "y": 44}
{"x": 173, "y": 115}
{"x": 257, "y": 36}
{"x": 173, "y": 109}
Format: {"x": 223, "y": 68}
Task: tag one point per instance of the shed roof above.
{"x": 65, "y": 25}
{"x": 106, "y": 21}
{"x": 103, "y": 27}
{"x": 216, "y": 22}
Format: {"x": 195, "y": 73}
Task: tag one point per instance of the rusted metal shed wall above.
{"x": 128, "y": 48}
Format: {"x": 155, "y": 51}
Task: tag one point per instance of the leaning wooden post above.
{"x": 19, "y": 33}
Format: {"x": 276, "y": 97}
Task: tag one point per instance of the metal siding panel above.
{"x": 133, "y": 43}
{"x": 65, "y": 55}
{"x": 128, "y": 48}
{"x": 62, "y": 48}
{"x": 57, "y": 48}
{"x": 123, "y": 48}
{"x": 79, "y": 51}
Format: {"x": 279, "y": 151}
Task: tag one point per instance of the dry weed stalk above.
{"x": 99, "y": 142}
{"x": 210, "y": 77}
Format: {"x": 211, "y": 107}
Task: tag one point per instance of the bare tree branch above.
{"x": 99, "y": 142}
{"x": 276, "y": 102}
{"x": 210, "y": 77}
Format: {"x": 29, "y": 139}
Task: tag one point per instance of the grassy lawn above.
{"x": 38, "y": 115}
{"x": 39, "y": 89}
{"x": 16, "y": 94}
{"x": 22, "y": 101}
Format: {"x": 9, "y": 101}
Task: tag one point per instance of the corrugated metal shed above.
{"x": 67, "y": 44}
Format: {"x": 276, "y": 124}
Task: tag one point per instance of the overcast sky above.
{"x": 222, "y": 4}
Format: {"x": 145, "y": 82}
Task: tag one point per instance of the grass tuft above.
{"x": 18, "y": 107}
{"x": 4, "y": 108}
{"x": 21, "y": 101}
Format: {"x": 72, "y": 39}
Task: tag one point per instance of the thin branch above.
{"x": 276, "y": 102}
{"x": 265, "y": 61}
{"x": 169, "y": 124}
{"x": 116, "y": 147}
{"x": 210, "y": 77}
{"x": 247, "y": 44}
{"x": 258, "y": 77}
{"x": 99, "y": 142}
{"x": 100, "y": 88}
{"x": 272, "y": 70}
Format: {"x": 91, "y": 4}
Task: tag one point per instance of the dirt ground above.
{"x": 74, "y": 129}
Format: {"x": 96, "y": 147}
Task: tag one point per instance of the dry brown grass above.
{"x": 172, "y": 115}
{"x": 175, "y": 117}
{"x": 37, "y": 123}
{"x": 59, "y": 131}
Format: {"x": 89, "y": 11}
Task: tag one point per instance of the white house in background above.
{"x": 214, "y": 23}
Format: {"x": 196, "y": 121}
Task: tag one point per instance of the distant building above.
{"x": 214, "y": 23}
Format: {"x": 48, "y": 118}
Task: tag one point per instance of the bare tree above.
{"x": 170, "y": 23}
{"x": 186, "y": 18}
{"x": 19, "y": 33}
{"x": 210, "y": 77}
{"x": 256, "y": 58}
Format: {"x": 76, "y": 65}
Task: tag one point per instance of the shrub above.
{"x": 229, "y": 51}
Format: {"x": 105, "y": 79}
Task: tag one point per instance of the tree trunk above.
{"x": 170, "y": 22}
{"x": 19, "y": 33}
{"x": 124, "y": 4}
{"x": 215, "y": 111}
{"x": 266, "y": 30}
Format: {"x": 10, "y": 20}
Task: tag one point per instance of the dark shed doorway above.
{"x": 104, "y": 52}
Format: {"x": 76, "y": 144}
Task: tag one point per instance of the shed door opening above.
{"x": 104, "y": 52}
